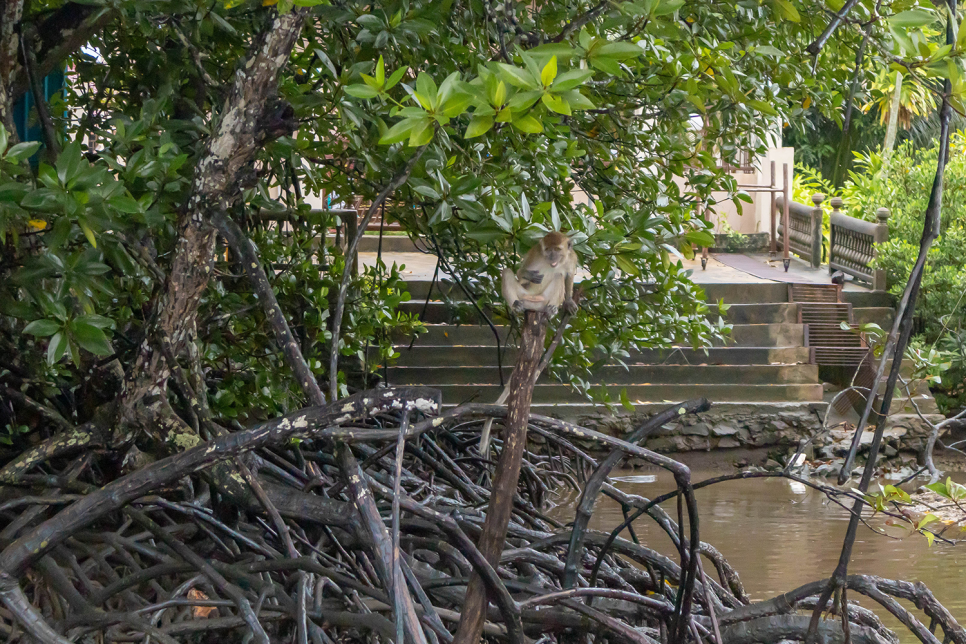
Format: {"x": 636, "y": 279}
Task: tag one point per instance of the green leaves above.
{"x": 22, "y": 151}
{"x": 605, "y": 55}
{"x": 913, "y": 19}
{"x": 571, "y": 79}
{"x": 787, "y": 10}
{"x": 625, "y": 401}
{"x": 479, "y": 125}
{"x": 950, "y": 490}
{"x": 88, "y": 332}
{"x": 549, "y": 72}
{"x": 72, "y": 334}
{"x": 517, "y": 77}
{"x": 526, "y": 123}
{"x": 377, "y": 85}
{"x": 42, "y": 328}
{"x": 488, "y": 94}
{"x": 701, "y": 238}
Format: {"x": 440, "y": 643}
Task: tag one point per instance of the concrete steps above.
{"x": 735, "y": 294}
{"x": 440, "y": 312}
{"x": 764, "y": 362}
{"x": 742, "y": 335}
{"x": 555, "y": 393}
{"x": 635, "y": 374}
{"x": 456, "y": 356}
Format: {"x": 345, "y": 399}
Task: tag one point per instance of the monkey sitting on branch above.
{"x": 545, "y": 279}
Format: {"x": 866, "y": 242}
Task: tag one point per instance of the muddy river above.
{"x": 780, "y": 535}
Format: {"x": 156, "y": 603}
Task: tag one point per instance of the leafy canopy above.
{"x": 529, "y": 117}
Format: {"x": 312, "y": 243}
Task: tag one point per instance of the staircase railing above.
{"x": 804, "y": 232}
{"x": 852, "y": 245}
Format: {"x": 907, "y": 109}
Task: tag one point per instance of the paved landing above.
{"x": 420, "y": 267}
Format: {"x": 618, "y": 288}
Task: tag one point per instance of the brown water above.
{"x": 779, "y": 535}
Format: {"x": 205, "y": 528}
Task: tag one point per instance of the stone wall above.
{"x": 759, "y": 425}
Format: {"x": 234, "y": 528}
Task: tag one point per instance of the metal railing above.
{"x": 801, "y": 228}
{"x": 852, "y": 245}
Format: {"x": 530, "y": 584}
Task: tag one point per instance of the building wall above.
{"x": 755, "y": 217}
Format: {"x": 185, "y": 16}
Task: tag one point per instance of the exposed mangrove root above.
{"x": 169, "y": 553}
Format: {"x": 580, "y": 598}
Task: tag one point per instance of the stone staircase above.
{"x": 766, "y": 361}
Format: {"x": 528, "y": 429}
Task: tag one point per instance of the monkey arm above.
{"x": 534, "y": 277}
{"x": 569, "y": 305}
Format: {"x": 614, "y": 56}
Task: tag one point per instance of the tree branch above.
{"x": 247, "y": 258}
{"x": 397, "y": 180}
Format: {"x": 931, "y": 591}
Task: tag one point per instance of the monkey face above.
{"x": 556, "y": 246}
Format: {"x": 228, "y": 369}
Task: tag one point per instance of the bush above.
{"x": 904, "y": 189}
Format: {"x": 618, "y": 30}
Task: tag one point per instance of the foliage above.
{"x": 817, "y": 138}
{"x": 904, "y": 190}
{"x": 915, "y": 100}
{"x": 515, "y": 110}
{"x": 509, "y": 135}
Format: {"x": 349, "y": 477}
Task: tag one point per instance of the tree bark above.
{"x": 232, "y": 146}
{"x": 10, "y": 16}
{"x": 311, "y": 422}
{"x": 402, "y": 602}
{"x": 62, "y": 33}
{"x": 507, "y": 473}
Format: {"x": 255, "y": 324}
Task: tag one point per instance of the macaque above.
{"x": 545, "y": 279}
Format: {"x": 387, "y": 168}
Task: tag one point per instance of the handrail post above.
{"x": 836, "y": 208}
{"x": 786, "y": 205}
{"x": 881, "y": 236}
{"x": 817, "y": 216}
{"x": 351, "y": 219}
{"x": 773, "y": 246}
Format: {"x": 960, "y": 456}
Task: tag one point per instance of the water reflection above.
{"x": 780, "y": 534}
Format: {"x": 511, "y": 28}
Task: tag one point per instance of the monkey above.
{"x": 545, "y": 279}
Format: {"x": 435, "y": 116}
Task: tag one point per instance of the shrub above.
{"x": 904, "y": 189}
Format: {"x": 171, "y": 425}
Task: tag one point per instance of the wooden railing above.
{"x": 852, "y": 242}
{"x": 804, "y": 232}
{"x": 852, "y": 245}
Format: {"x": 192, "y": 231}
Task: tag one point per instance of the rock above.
{"x": 662, "y": 444}
{"x": 724, "y": 430}
{"x": 667, "y": 430}
{"x": 772, "y": 465}
{"x": 698, "y": 429}
{"x": 741, "y": 462}
{"x": 889, "y": 451}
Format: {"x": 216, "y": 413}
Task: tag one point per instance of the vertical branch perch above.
{"x": 507, "y": 473}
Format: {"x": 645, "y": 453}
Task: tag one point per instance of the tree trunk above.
{"x": 233, "y": 144}
{"x": 9, "y": 56}
{"x": 507, "y": 473}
